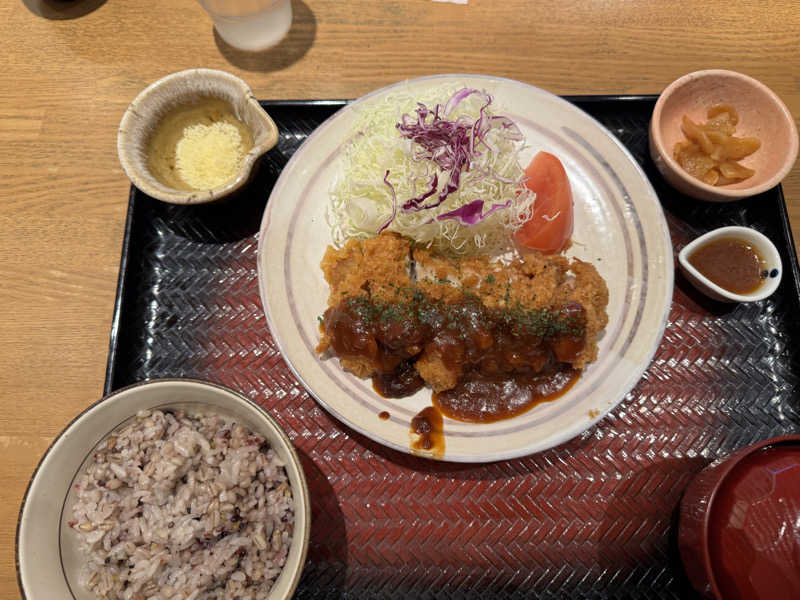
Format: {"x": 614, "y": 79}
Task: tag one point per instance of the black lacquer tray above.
{"x": 592, "y": 518}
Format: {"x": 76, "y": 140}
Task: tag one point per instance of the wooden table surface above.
{"x": 71, "y": 68}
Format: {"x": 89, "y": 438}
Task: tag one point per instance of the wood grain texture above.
{"x": 71, "y": 68}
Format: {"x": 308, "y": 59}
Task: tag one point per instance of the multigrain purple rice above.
{"x": 185, "y": 507}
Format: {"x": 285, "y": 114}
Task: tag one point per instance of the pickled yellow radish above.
{"x": 695, "y": 161}
{"x": 711, "y": 177}
{"x": 710, "y": 150}
{"x": 733, "y": 170}
{"x": 723, "y": 109}
{"x": 738, "y": 148}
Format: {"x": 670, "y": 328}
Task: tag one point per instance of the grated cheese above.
{"x": 207, "y": 156}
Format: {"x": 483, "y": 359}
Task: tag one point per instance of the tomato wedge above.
{"x": 550, "y": 226}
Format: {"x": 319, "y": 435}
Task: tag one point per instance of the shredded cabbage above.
{"x": 441, "y": 169}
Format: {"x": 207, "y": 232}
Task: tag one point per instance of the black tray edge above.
{"x": 121, "y": 285}
{"x": 789, "y": 238}
{"x": 598, "y": 98}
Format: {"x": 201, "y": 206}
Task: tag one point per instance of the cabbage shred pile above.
{"x": 447, "y": 176}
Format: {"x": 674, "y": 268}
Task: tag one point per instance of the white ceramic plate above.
{"x": 619, "y": 227}
{"x": 49, "y": 558}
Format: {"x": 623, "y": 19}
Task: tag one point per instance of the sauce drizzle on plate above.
{"x": 427, "y": 432}
{"x": 485, "y": 399}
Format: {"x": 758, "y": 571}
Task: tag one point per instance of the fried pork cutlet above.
{"x": 397, "y": 309}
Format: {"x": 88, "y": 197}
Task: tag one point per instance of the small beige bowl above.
{"x": 757, "y": 240}
{"x": 147, "y": 109}
{"x": 47, "y": 555}
{"x": 762, "y": 114}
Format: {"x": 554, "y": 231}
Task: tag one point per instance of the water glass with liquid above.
{"x": 250, "y": 25}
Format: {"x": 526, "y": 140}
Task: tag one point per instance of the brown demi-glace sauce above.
{"x": 506, "y": 360}
{"x": 731, "y": 263}
{"x": 427, "y": 432}
{"x": 401, "y": 381}
{"x": 479, "y": 398}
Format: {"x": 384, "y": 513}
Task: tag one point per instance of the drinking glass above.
{"x": 250, "y": 25}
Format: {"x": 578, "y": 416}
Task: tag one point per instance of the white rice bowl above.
{"x": 169, "y": 502}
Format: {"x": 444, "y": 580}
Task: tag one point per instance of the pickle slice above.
{"x": 710, "y": 150}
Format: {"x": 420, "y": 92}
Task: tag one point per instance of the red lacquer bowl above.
{"x": 739, "y": 527}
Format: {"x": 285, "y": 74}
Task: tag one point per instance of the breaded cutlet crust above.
{"x": 381, "y": 269}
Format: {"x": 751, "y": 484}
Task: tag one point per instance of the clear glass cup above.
{"x": 250, "y": 25}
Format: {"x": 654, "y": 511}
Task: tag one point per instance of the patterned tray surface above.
{"x": 593, "y": 518}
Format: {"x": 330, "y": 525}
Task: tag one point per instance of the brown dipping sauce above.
{"x": 731, "y": 263}
{"x": 427, "y": 432}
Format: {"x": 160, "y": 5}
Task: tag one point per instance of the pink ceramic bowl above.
{"x": 739, "y": 524}
{"x": 762, "y": 114}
